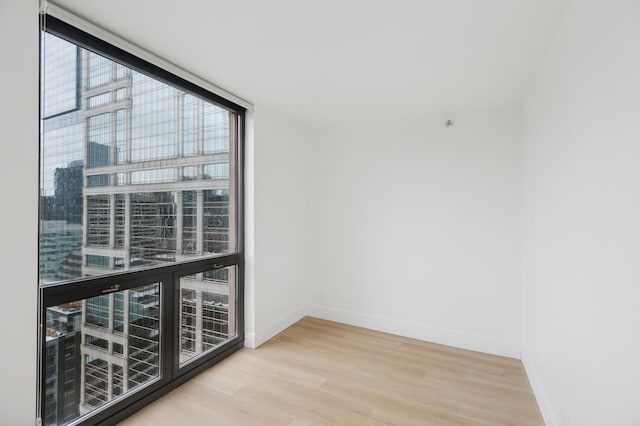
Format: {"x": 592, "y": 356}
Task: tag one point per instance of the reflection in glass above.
{"x": 215, "y": 171}
{"x": 98, "y": 69}
{"x": 60, "y": 76}
{"x": 98, "y": 349}
{"x": 207, "y": 311}
{"x": 134, "y": 172}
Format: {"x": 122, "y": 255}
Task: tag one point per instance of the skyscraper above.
{"x": 135, "y": 174}
{"x": 62, "y": 385}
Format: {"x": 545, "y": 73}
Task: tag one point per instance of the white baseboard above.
{"x": 538, "y": 390}
{"x": 420, "y": 331}
{"x": 250, "y": 340}
{"x": 416, "y": 331}
{"x": 264, "y": 333}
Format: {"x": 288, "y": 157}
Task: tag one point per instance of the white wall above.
{"x": 426, "y": 175}
{"x": 418, "y": 228}
{"x": 279, "y": 254}
{"x": 276, "y": 253}
{"x": 19, "y": 212}
{"x": 407, "y": 227}
{"x": 581, "y": 219}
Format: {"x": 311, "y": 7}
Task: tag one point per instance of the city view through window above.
{"x": 134, "y": 173}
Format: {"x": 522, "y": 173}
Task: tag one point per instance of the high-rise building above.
{"x": 60, "y": 250}
{"x": 62, "y": 384}
{"x": 136, "y": 173}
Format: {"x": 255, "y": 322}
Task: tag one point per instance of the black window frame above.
{"x": 171, "y": 374}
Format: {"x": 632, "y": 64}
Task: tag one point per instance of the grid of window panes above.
{"x": 207, "y": 310}
{"x": 134, "y": 173}
{"x": 60, "y": 64}
{"x": 98, "y": 224}
{"x": 97, "y": 311}
{"x": 216, "y": 219}
{"x": 62, "y": 363}
{"x": 189, "y": 222}
{"x": 100, "y": 348}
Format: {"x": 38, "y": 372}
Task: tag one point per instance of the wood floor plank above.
{"x": 319, "y": 372}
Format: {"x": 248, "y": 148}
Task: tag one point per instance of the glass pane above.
{"x": 98, "y": 349}
{"x": 207, "y": 311}
{"x": 215, "y": 129}
{"x": 215, "y": 171}
{"x": 60, "y": 77}
{"x": 96, "y": 101}
{"x": 98, "y": 69}
{"x": 134, "y": 172}
{"x": 99, "y": 138}
{"x": 119, "y": 135}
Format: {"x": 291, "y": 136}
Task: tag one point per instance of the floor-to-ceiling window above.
{"x": 140, "y": 259}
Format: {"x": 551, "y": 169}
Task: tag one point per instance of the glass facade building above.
{"x": 135, "y": 173}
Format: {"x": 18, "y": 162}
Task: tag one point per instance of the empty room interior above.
{"x": 355, "y": 212}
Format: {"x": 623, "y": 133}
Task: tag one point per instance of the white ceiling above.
{"x": 327, "y": 61}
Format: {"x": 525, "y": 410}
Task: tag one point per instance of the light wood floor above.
{"x": 318, "y": 372}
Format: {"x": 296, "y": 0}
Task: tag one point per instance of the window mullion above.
{"x": 140, "y": 226}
